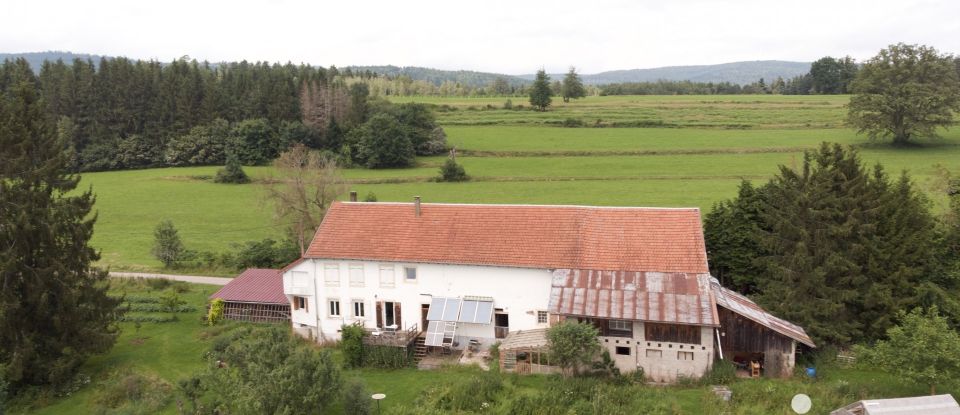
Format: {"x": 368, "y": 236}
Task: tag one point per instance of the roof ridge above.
{"x": 524, "y": 205}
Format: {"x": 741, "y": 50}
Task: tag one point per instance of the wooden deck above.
{"x": 394, "y": 338}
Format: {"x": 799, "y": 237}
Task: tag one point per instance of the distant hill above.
{"x": 438, "y": 76}
{"x": 734, "y": 72}
{"x": 36, "y": 58}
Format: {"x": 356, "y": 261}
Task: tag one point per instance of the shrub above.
{"x": 370, "y": 197}
{"x": 723, "y": 372}
{"x": 265, "y": 253}
{"x": 572, "y": 123}
{"x": 215, "y": 315}
{"x": 266, "y": 369}
{"x": 232, "y": 172}
{"x": 386, "y": 357}
{"x": 452, "y": 172}
{"x": 572, "y": 344}
{"x": 356, "y": 398}
{"x": 127, "y": 391}
{"x": 508, "y": 104}
{"x": 351, "y": 343}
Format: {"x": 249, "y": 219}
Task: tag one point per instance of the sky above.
{"x": 512, "y": 37}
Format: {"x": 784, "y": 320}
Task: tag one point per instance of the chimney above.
{"x": 353, "y": 195}
{"x": 416, "y": 205}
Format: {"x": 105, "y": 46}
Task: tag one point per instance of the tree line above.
{"x": 122, "y": 114}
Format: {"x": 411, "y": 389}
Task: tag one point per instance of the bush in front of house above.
{"x": 573, "y": 344}
{"x": 351, "y": 344}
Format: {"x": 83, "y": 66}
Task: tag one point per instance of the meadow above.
{"x": 524, "y": 156}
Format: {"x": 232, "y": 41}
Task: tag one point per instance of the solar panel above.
{"x": 452, "y": 310}
{"x": 476, "y": 311}
{"x": 436, "y": 308}
{"x": 484, "y": 312}
{"x": 468, "y": 311}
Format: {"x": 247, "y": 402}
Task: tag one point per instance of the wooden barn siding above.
{"x": 743, "y": 335}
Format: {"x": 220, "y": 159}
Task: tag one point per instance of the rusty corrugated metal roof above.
{"x": 671, "y": 297}
{"x": 738, "y": 303}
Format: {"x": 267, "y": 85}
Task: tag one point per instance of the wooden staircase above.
{"x": 419, "y": 349}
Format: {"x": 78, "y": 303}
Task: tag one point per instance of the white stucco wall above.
{"x": 519, "y": 292}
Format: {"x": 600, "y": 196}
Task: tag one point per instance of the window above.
{"x": 386, "y": 276}
{"x": 334, "y": 308}
{"x": 356, "y": 275}
{"x": 358, "y": 310}
{"x": 620, "y": 325}
{"x": 684, "y": 355}
{"x": 300, "y": 303}
{"x": 623, "y": 351}
{"x": 410, "y": 273}
{"x": 654, "y": 353}
{"x": 331, "y": 274}
{"x": 542, "y": 317}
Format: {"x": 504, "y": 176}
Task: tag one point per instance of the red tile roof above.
{"x": 674, "y": 297}
{"x": 255, "y": 285}
{"x": 530, "y": 236}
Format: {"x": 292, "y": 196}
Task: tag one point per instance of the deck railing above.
{"x": 386, "y": 337}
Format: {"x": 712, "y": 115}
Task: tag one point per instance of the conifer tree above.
{"x": 54, "y": 310}
{"x": 540, "y": 92}
{"x": 572, "y": 86}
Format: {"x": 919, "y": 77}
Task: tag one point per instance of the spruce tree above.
{"x": 54, "y": 309}
{"x": 232, "y": 172}
{"x": 540, "y": 92}
{"x": 572, "y": 86}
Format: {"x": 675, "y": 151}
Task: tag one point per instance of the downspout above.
{"x": 719, "y": 347}
{"x": 316, "y": 301}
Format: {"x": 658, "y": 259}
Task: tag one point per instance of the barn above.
{"x": 256, "y": 295}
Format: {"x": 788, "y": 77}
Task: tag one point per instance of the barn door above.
{"x": 396, "y": 316}
{"x": 380, "y": 314}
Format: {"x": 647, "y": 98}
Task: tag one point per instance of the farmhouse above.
{"x": 255, "y": 295}
{"x": 455, "y": 275}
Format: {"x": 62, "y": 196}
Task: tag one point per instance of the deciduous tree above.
{"x": 904, "y": 92}
{"x": 573, "y": 344}
{"x": 922, "y": 348}
{"x": 305, "y": 185}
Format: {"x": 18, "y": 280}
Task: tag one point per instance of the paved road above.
{"x": 187, "y": 278}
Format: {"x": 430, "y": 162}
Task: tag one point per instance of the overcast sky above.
{"x": 489, "y": 35}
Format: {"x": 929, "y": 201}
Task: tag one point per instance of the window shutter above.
{"x": 380, "y": 314}
{"x": 296, "y": 303}
{"x": 396, "y": 316}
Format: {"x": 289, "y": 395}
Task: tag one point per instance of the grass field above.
{"x": 517, "y": 156}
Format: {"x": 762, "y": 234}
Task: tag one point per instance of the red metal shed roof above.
{"x": 674, "y": 297}
{"x": 531, "y": 236}
{"x": 255, "y": 285}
